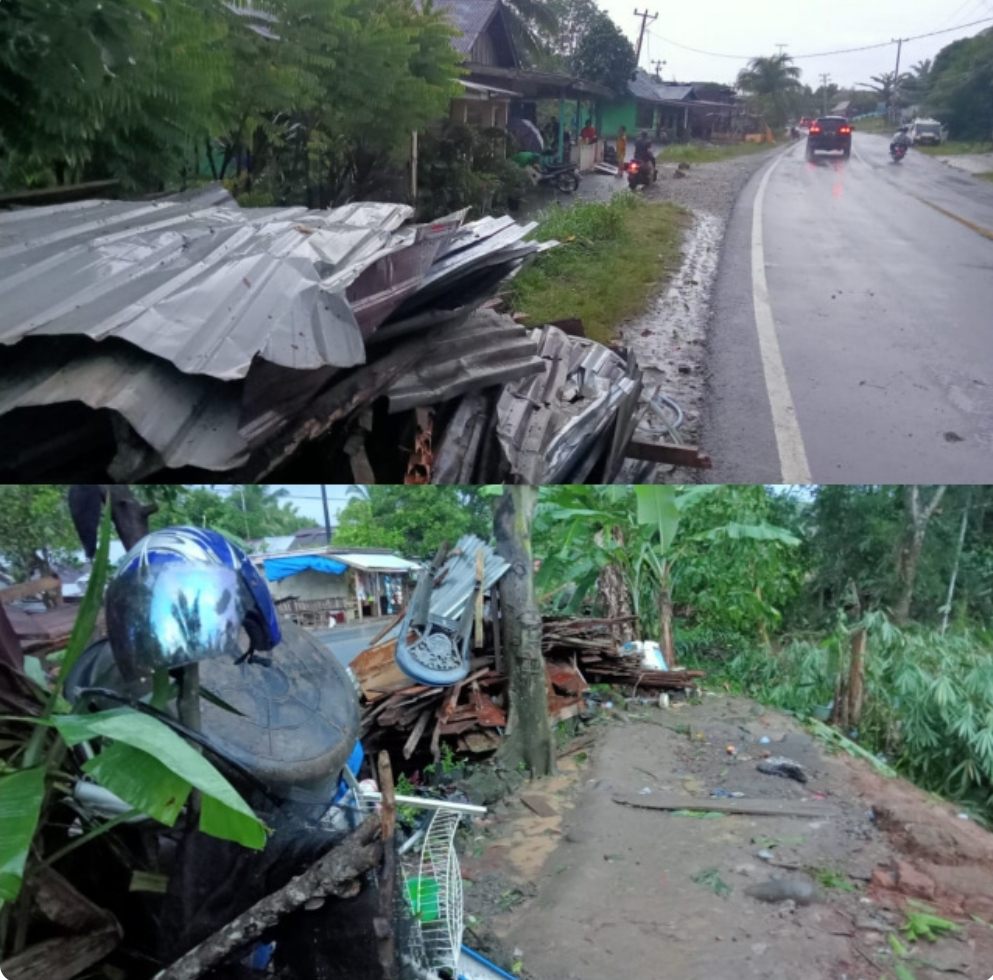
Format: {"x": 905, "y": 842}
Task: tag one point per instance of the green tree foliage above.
{"x": 886, "y": 88}
{"x": 245, "y": 512}
{"x": 36, "y": 531}
{"x": 773, "y": 85}
{"x": 108, "y": 88}
{"x": 560, "y": 39}
{"x": 355, "y": 78}
{"x": 604, "y": 54}
{"x": 413, "y": 520}
{"x": 462, "y": 166}
{"x": 713, "y": 550}
{"x": 532, "y": 22}
{"x": 960, "y": 87}
{"x": 136, "y": 89}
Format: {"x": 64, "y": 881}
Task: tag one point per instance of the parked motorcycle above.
{"x": 898, "y": 151}
{"x": 641, "y": 173}
{"x": 282, "y": 728}
{"x": 563, "y": 176}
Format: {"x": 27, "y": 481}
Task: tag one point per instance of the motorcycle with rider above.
{"x": 642, "y": 170}
{"x": 900, "y": 143}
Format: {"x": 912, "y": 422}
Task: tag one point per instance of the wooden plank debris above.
{"x": 759, "y": 808}
{"x": 473, "y": 713}
{"x": 538, "y": 805}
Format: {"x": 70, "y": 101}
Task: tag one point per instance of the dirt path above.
{"x": 601, "y": 890}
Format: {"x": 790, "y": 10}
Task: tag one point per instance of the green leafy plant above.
{"x": 140, "y": 759}
{"x": 711, "y": 878}
{"x": 922, "y": 923}
{"x": 829, "y": 878}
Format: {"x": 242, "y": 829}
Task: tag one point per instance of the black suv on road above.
{"x": 829, "y": 133}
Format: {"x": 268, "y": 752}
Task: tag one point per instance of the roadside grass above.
{"x": 987, "y": 176}
{"x": 710, "y": 153}
{"x": 956, "y": 147}
{"x": 875, "y": 124}
{"x": 613, "y": 257}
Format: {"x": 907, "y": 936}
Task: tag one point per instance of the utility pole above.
{"x": 658, "y": 65}
{"x": 645, "y": 18}
{"x": 898, "y": 41}
{"x": 327, "y": 515}
{"x": 782, "y": 48}
{"x": 824, "y": 83}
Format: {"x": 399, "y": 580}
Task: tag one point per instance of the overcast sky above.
{"x": 306, "y": 498}
{"x": 804, "y": 26}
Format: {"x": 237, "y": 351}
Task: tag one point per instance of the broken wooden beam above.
{"x": 337, "y": 873}
{"x": 665, "y": 452}
{"x": 758, "y": 808}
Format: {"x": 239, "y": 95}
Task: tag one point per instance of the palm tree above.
{"x": 774, "y": 82}
{"x": 532, "y": 22}
{"x": 917, "y": 83}
{"x": 889, "y": 87}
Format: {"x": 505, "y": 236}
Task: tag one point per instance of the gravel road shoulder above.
{"x": 670, "y": 337}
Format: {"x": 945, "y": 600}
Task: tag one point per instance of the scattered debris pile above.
{"x": 188, "y": 337}
{"x": 472, "y": 713}
{"x": 594, "y": 644}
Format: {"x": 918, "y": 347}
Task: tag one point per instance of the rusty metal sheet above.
{"x": 564, "y": 677}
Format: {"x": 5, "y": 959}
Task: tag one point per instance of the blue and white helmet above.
{"x": 185, "y": 594}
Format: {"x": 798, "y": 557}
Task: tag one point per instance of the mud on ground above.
{"x": 599, "y": 889}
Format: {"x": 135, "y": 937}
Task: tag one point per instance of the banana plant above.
{"x": 651, "y": 543}
{"x": 140, "y": 759}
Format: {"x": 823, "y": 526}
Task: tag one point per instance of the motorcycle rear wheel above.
{"x": 568, "y": 183}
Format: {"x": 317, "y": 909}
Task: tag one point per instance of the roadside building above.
{"x": 318, "y": 585}
{"x": 671, "y": 110}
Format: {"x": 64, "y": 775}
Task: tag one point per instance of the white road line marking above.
{"x": 789, "y": 441}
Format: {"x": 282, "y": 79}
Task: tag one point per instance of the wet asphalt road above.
{"x": 880, "y": 286}
{"x": 347, "y": 640}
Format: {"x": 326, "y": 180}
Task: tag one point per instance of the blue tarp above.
{"x": 277, "y": 569}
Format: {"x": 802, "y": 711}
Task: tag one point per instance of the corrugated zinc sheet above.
{"x": 187, "y": 420}
{"x": 457, "y": 579}
{"x": 196, "y": 281}
{"x": 547, "y": 423}
{"x": 488, "y": 349}
{"x": 651, "y": 89}
{"x": 376, "y": 563}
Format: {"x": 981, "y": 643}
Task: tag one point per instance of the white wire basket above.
{"x": 432, "y": 884}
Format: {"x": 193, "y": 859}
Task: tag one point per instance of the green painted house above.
{"x": 655, "y": 106}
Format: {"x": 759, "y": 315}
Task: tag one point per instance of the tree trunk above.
{"x": 614, "y": 595}
{"x": 665, "y": 619}
{"x": 950, "y": 598}
{"x": 856, "y": 677}
{"x": 910, "y": 552}
{"x": 529, "y": 736}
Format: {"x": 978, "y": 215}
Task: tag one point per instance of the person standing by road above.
{"x": 622, "y": 146}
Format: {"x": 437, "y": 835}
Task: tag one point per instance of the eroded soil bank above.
{"x": 588, "y": 888}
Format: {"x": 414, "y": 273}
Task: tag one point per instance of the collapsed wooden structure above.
{"x": 472, "y": 715}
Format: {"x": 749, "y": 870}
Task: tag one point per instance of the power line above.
{"x": 823, "y": 54}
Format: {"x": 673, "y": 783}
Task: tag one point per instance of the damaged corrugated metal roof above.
{"x": 196, "y": 281}
{"x": 456, "y": 582}
{"x": 548, "y": 423}
{"x": 196, "y": 332}
{"x": 488, "y": 349}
